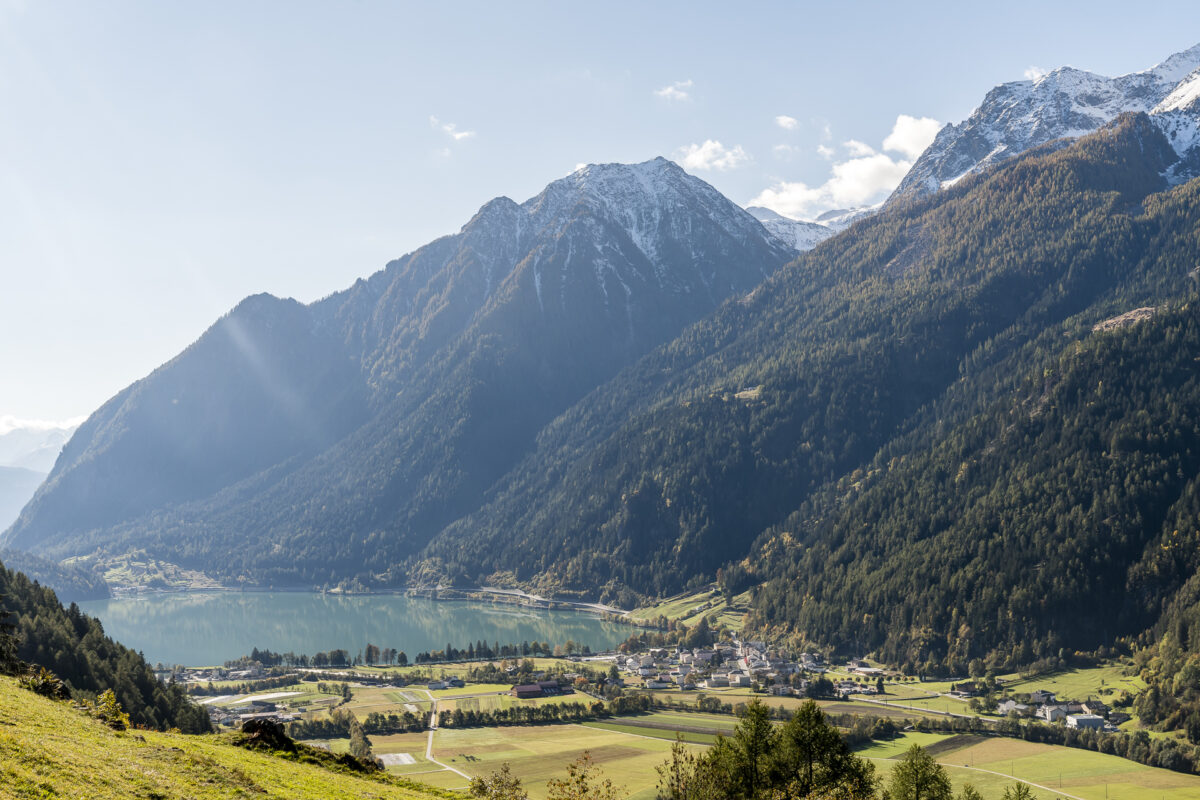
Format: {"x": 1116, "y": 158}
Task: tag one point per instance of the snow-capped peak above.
{"x": 1064, "y": 103}
{"x": 1178, "y": 66}
{"x": 1184, "y": 96}
{"x": 797, "y": 234}
{"x": 646, "y": 199}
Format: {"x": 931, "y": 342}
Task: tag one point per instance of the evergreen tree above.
{"x": 811, "y": 757}
{"x": 919, "y": 777}
{"x": 9, "y": 663}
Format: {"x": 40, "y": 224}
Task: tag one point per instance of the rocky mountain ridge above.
{"x": 1063, "y": 104}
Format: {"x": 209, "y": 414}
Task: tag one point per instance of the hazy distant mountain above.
{"x": 1065, "y": 103}
{"x": 32, "y": 445}
{"x": 797, "y": 234}
{"x": 71, "y": 583}
{"x": 307, "y": 444}
{"x": 17, "y": 485}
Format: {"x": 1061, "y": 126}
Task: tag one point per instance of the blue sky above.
{"x": 163, "y": 160}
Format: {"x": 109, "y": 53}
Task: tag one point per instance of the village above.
{"x": 730, "y": 672}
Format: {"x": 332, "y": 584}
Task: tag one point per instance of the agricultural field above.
{"x": 851, "y": 706}
{"x": 1079, "y": 684}
{"x": 367, "y": 699}
{"x": 469, "y": 689}
{"x": 495, "y": 702}
{"x": 460, "y": 669}
{"x": 695, "y": 728}
{"x": 690, "y": 606}
{"x": 537, "y": 753}
{"x": 990, "y": 764}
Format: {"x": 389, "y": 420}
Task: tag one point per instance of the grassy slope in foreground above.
{"x": 47, "y": 749}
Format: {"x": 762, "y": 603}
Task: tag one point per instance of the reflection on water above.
{"x": 213, "y": 627}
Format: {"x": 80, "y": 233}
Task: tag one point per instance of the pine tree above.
{"x": 9, "y": 663}
{"x": 919, "y": 777}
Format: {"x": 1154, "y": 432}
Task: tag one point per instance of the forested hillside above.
{"x": 934, "y": 436}
{"x": 673, "y": 468}
{"x": 1059, "y": 512}
{"x": 309, "y": 445}
{"x": 73, "y": 646}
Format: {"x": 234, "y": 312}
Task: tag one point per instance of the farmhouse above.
{"x": 526, "y": 691}
{"x": 1052, "y": 713}
{"x": 1012, "y": 706}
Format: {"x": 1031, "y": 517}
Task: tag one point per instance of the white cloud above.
{"x": 712, "y": 155}
{"x": 450, "y": 129}
{"x": 676, "y": 91}
{"x": 858, "y": 149}
{"x": 911, "y": 135}
{"x": 9, "y": 423}
{"x": 1033, "y": 73}
{"x": 856, "y": 182}
{"x": 863, "y": 178}
{"x": 787, "y": 123}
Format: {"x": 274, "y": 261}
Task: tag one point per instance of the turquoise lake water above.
{"x": 206, "y": 628}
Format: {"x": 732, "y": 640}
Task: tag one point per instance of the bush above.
{"x": 40, "y": 680}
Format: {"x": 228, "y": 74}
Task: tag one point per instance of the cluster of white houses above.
{"x": 1089, "y": 714}
{"x": 729, "y": 664}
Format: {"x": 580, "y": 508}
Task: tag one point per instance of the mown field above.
{"x": 1079, "y": 684}
{"x": 538, "y": 753}
{"x": 495, "y": 702}
{"x": 690, "y": 606}
{"x": 992, "y": 763}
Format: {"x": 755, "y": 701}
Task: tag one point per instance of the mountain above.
{"x": 1063, "y": 104}
{"x": 919, "y": 439}
{"x": 17, "y": 485}
{"x": 71, "y": 583}
{"x": 310, "y": 444}
{"x": 32, "y": 445}
{"x": 839, "y": 219}
{"x": 797, "y": 234}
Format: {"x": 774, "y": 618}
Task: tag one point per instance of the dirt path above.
{"x": 993, "y": 772}
{"x": 433, "y": 723}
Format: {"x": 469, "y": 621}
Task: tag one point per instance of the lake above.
{"x": 206, "y": 628}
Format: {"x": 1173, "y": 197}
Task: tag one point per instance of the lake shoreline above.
{"x": 216, "y": 625}
{"x": 516, "y": 597}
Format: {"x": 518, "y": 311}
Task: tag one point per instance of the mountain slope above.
{"x": 73, "y": 646}
{"x": 1055, "y": 510}
{"x": 17, "y": 485}
{"x": 797, "y": 234}
{"x": 1065, "y": 103}
{"x": 47, "y": 749}
{"x": 669, "y": 472}
{"x": 343, "y": 435}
